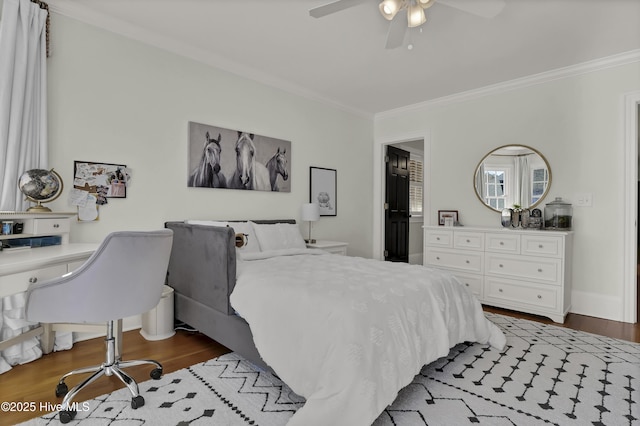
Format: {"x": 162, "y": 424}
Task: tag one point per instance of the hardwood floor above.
{"x": 36, "y": 381}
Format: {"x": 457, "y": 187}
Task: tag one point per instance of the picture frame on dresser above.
{"x": 446, "y": 216}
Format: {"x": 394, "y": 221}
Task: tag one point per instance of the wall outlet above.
{"x": 584, "y": 199}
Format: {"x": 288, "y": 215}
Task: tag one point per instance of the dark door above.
{"x": 396, "y": 224}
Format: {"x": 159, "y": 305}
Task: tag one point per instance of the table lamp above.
{"x": 310, "y": 212}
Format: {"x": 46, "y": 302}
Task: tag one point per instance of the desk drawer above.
{"x": 17, "y": 283}
{"x": 51, "y": 226}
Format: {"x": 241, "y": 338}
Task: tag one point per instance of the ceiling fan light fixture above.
{"x": 389, "y": 8}
{"x": 425, "y": 4}
{"x": 415, "y": 16}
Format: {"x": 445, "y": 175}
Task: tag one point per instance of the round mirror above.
{"x": 512, "y": 176}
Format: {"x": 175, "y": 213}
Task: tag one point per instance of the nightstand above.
{"x": 335, "y": 247}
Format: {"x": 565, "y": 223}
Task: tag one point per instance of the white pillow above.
{"x": 246, "y": 228}
{"x": 206, "y": 223}
{"x": 279, "y": 236}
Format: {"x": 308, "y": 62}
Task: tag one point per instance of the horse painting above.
{"x": 277, "y": 165}
{"x": 207, "y": 173}
{"x": 249, "y": 174}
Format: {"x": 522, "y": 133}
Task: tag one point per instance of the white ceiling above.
{"x": 341, "y": 58}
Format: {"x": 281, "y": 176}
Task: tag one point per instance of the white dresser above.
{"x": 522, "y": 270}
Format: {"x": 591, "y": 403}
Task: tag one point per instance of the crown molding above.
{"x": 519, "y": 83}
{"x": 74, "y": 9}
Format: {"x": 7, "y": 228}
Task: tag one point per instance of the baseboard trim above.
{"x": 128, "y": 324}
{"x": 596, "y": 305}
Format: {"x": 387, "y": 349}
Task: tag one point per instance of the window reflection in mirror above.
{"x": 512, "y": 175}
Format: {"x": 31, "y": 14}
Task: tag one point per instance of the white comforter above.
{"x": 348, "y": 333}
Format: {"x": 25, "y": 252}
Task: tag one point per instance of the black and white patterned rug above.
{"x": 547, "y": 375}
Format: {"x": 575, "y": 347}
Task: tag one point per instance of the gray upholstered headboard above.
{"x": 202, "y": 266}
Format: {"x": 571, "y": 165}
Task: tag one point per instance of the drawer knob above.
{"x": 539, "y": 269}
{"x": 501, "y": 243}
{"x": 466, "y": 261}
{"x": 501, "y": 265}
{"x": 55, "y": 225}
{"x": 500, "y": 290}
{"x": 539, "y": 297}
{"x": 33, "y": 280}
{"x": 540, "y": 246}
{"x": 438, "y": 238}
{"x": 437, "y": 257}
{"x": 467, "y": 284}
{"x": 468, "y": 240}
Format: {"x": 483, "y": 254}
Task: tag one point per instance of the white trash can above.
{"x": 157, "y": 324}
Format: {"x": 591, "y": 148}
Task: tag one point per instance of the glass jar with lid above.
{"x": 557, "y": 215}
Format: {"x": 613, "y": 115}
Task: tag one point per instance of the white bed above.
{"x": 348, "y": 333}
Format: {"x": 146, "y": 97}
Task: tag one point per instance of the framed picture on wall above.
{"x": 323, "y": 190}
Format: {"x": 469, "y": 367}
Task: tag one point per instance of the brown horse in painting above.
{"x": 207, "y": 173}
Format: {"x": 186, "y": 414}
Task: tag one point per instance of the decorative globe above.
{"x": 40, "y": 186}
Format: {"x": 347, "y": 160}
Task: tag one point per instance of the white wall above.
{"x": 115, "y": 100}
{"x": 576, "y": 122}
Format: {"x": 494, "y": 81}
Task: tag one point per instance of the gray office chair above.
{"x": 124, "y": 277}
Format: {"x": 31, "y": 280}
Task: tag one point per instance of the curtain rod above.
{"x": 45, "y": 6}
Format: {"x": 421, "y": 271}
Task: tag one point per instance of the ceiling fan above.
{"x": 414, "y": 11}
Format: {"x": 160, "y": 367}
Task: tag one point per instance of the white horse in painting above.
{"x": 249, "y": 174}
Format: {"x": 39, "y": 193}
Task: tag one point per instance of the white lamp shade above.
{"x": 310, "y": 212}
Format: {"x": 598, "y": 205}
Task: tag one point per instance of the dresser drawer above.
{"x": 547, "y": 270}
{"x": 502, "y": 243}
{"x": 51, "y": 226}
{"x": 518, "y": 294}
{"x": 16, "y": 283}
{"x": 464, "y": 261}
{"x": 439, "y": 238}
{"x": 542, "y": 245}
{"x": 472, "y": 282}
{"x": 468, "y": 240}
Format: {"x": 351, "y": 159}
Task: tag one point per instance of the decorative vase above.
{"x": 507, "y": 218}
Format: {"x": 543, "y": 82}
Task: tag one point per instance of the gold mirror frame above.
{"x": 503, "y": 147}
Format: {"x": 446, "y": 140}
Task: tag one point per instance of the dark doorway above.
{"x": 396, "y": 205}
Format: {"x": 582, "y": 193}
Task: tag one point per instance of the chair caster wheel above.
{"x": 61, "y": 389}
{"x": 137, "y": 402}
{"x": 67, "y": 415}
{"x": 156, "y": 373}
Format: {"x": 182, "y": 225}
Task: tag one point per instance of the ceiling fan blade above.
{"x": 397, "y": 30}
{"x": 483, "y": 8}
{"x": 335, "y": 6}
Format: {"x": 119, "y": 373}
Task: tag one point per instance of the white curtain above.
{"x": 23, "y": 97}
{"x": 23, "y": 139}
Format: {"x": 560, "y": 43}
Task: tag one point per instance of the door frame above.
{"x": 630, "y": 125}
{"x": 379, "y": 152}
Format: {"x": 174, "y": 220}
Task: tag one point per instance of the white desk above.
{"x": 19, "y": 268}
